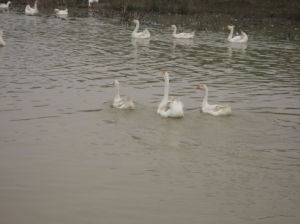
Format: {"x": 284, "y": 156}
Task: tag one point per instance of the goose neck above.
{"x": 230, "y": 33}
{"x": 137, "y": 26}
{"x": 117, "y": 92}
{"x": 166, "y": 89}
{"x": 174, "y": 30}
{"x": 205, "y": 99}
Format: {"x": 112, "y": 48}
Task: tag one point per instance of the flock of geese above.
{"x": 243, "y": 38}
{"x": 169, "y": 106}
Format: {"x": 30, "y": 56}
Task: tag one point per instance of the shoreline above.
{"x": 280, "y": 27}
{"x": 253, "y": 9}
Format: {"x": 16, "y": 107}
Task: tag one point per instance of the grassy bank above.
{"x": 246, "y": 8}
{"x": 289, "y": 9}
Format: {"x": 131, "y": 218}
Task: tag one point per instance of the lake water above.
{"x": 67, "y": 157}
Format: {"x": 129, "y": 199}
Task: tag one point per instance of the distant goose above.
{"x": 92, "y": 1}
{"x": 169, "y": 107}
{"x": 119, "y": 102}
{"x": 5, "y": 6}
{"x": 136, "y": 34}
{"x": 2, "y": 42}
{"x": 61, "y": 12}
{"x": 182, "y": 35}
{"x": 215, "y": 110}
{"x": 31, "y": 11}
{"x": 243, "y": 38}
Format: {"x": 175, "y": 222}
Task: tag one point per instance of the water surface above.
{"x": 67, "y": 157}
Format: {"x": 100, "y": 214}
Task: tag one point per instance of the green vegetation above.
{"x": 245, "y": 8}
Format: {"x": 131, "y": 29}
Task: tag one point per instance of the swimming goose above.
{"x": 169, "y": 107}
{"x": 136, "y": 34}
{"x": 119, "y": 102}
{"x": 61, "y": 12}
{"x": 243, "y": 38}
{"x": 92, "y": 1}
{"x": 5, "y": 6}
{"x": 181, "y": 35}
{"x": 31, "y": 11}
{"x": 214, "y": 109}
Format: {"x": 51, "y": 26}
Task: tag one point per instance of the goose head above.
{"x": 230, "y": 27}
{"x": 165, "y": 73}
{"x": 133, "y": 21}
{"x": 116, "y": 83}
{"x": 201, "y": 86}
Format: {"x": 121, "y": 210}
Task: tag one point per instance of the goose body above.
{"x": 31, "y": 11}
{"x": 119, "y": 102}
{"x": 2, "y": 42}
{"x": 169, "y": 107}
{"x": 182, "y": 35}
{"x": 61, "y": 12}
{"x": 243, "y": 38}
{"x": 92, "y": 1}
{"x": 5, "y": 5}
{"x": 135, "y": 34}
{"x": 215, "y": 109}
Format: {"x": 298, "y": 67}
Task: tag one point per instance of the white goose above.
{"x": 92, "y": 1}
{"x": 169, "y": 107}
{"x": 243, "y": 38}
{"x": 182, "y": 35}
{"x": 2, "y": 42}
{"x": 119, "y": 102}
{"x": 215, "y": 109}
{"x": 61, "y": 12}
{"x": 5, "y": 6}
{"x": 135, "y": 34}
{"x": 31, "y": 11}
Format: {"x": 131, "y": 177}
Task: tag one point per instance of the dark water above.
{"x": 67, "y": 157}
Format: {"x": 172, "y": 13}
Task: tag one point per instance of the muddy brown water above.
{"x": 67, "y": 157}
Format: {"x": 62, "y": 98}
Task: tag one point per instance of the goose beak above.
{"x": 198, "y": 87}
